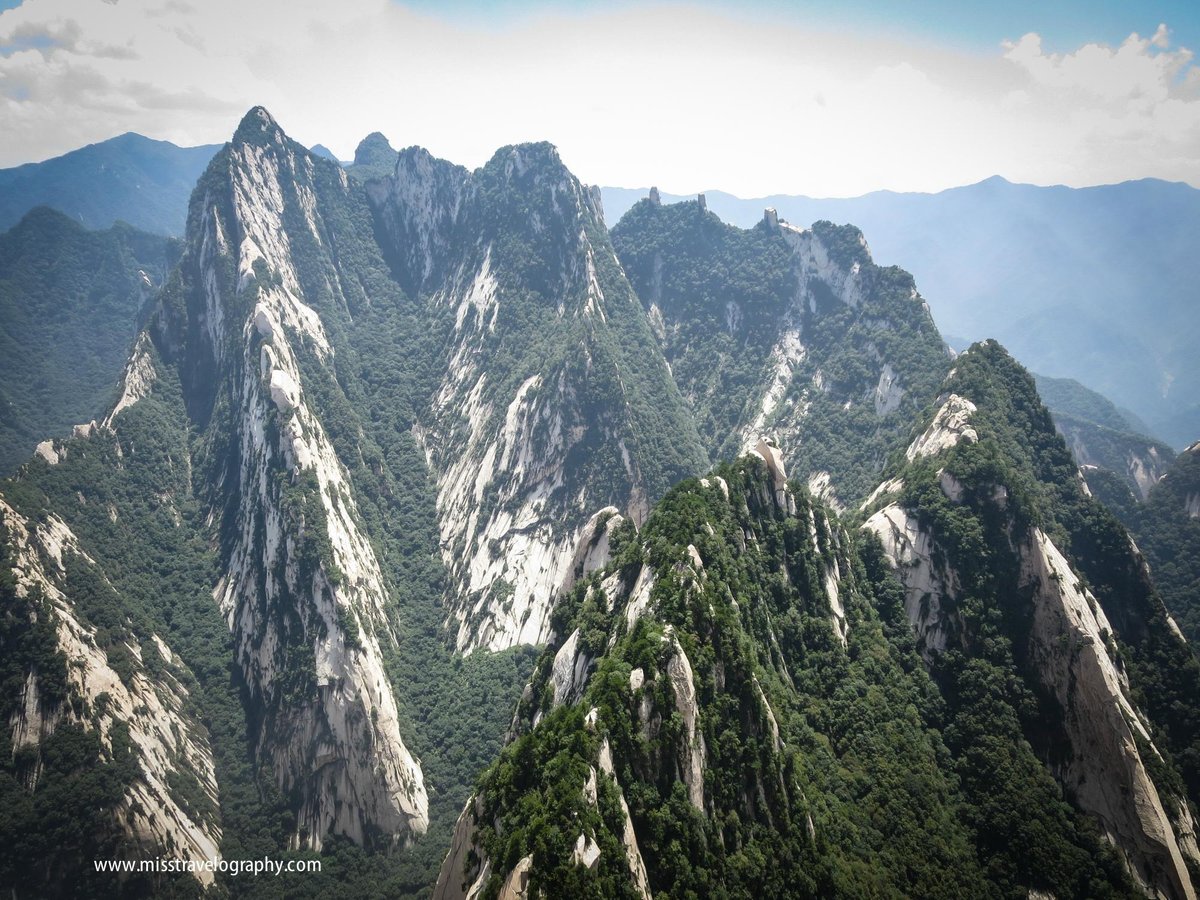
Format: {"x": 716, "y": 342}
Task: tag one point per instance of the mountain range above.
{"x": 1095, "y": 284}
{"x": 70, "y": 302}
{"x": 131, "y": 178}
{"x": 437, "y": 531}
{"x": 1090, "y": 284}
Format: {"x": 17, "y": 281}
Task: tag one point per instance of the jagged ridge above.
{"x": 554, "y": 403}
{"x": 786, "y": 332}
{"x": 692, "y": 710}
{"x": 301, "y": 587}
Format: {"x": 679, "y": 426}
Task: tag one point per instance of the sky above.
{"x": 755, "y": 97}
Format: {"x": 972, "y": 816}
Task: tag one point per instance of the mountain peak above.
{"x": 375, "y": 150}
{"x": 44, "y": 215}
{"x": 257, "y": 126}
{"x": 520, "y": 158}
{"x": 845, "y": 244}
{"x": 533, "y": 166}
{"x": 322, "y": 151}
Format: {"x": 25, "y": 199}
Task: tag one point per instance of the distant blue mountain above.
{"x": 129, "y": 178}
{"x": 324, "y": 152}
{"x": 1099, "y": 284}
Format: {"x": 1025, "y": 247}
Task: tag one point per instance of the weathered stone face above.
{"x": 524, "y": 456}
{"x": 338, "y": 749}
{"x": 169, "y": 742}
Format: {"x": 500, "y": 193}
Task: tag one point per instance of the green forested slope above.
{"x": 69, "y": 305}
{"x": 749, "y": 696}
{"x": 966, "y": 767}
{"x": 788, "y": 333}
{"x": 984, "y": 534}
{"x": 129, "y": 178}
{"x": 883, "y": 781}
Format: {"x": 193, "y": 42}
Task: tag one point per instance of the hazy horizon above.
{"x": 681, "y": 195}
{"x": 765, "y": 98}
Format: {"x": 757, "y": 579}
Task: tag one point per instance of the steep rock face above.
{"x": 1142, "y": 464}
{"x": 784, "y": 332}
{"x": 928, "y": 583}
{"x": 594, "y": 549}
{"x": 465, "y": 871}
{"x": 1103, "y": 437}
{"x": 950, "y": 425}
{"x": 990, "y": 456}
{"x": 1007, "y": 260}
{"x": 1067, "y": 645}
{"x": 418, "y": 207}
{"x": 633, "y": 855}
{"x": 1167, "y": 528}
{"x": 555, "y": 402}
{"x": 692, "y": 750}
{"x": 138, "y": 705}
{"x": 136, "y": 381}
{"x": 302, "y": 588}
{"x": 1108, "y": 774}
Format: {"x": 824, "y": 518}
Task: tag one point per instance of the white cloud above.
{"x": 1108, "y": 113}
{"x": 1133, "y": 71}
{"x": 682, "y": 97}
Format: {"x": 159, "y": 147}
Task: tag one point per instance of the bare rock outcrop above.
{"x": 951, "y": 424}
{"x": 336, "y": 747}
{"x": 1069, "y": 644}
{"x": 1069, "y": 648}
{"x": 928, "y": 583}
{"x": 170, "y": 743}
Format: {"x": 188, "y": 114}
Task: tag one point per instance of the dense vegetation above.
{"x": 1019, "y": 449}
{"x": 140, "y": 501}
{"x": 129, "y": 178}
{"x": 69, "y": 306}
{"x": 1066, "y": 396}
{"x": 722, "y": 299}
{"x": 997, "y": 711}
{"x": 156, "y": 554}
{"x": 1096, "y": 283}
{"x": 951, "y": 770}
{"x": 374, "y": 157}
{"x": 838, "y": 761}
{"x": 131, "y": 509}
{"x": 882, "y": 784}
{"x": 553, "y": 320}
{"x": 721, "y": 293}
{"x": 1166, "y": 529}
